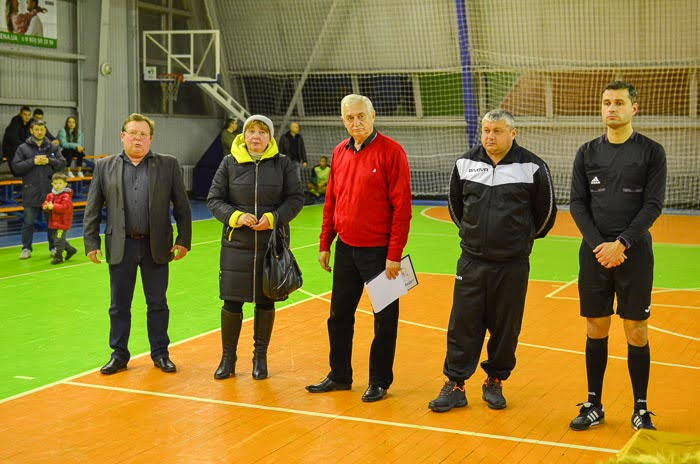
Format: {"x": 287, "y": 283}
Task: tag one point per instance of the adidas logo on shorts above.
{"x": 595, "y": 181}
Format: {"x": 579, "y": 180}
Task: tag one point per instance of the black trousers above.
{"x": 69, "y": 154}
{"x": 487, "y": 296}
{"x": 122, "y": 279}
{"x": 59, "y": 240}
{"x": 352, "y": 267}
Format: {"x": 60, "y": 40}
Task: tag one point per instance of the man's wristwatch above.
{"x": 624, "y": 242}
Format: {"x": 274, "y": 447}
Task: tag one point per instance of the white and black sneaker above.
{"x": 641, "y": 419}
{"x": 589, "y": 416}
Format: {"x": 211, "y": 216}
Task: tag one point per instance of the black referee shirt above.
{"x": 617, "y": 190}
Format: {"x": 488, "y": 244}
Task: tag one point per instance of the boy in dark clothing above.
{"x": 59, "y": 205}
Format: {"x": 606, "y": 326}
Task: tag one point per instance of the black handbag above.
{"x": 281, "y": 273}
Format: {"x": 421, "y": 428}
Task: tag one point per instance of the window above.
{"x": 168, "y": 15}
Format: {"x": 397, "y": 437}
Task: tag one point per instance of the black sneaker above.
{"x": 641, "y": 419}
{"x": 57, "y": 259}
{"x": 69, "y": 253}
{"x": 493, "y": 393}
{"x": 589, "y": 415}
{"x": 451, "y": 396}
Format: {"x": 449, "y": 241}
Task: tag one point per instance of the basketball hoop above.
{"x": 170, "y": 84}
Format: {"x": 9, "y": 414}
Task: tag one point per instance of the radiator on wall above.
{"x": 187, "y": 172}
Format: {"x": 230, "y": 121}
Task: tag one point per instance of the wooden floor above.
{"x": 145, "y": 416}
{"x": 666, "y": 229}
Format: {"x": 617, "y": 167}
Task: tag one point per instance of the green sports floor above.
{"x": 55, "y": 323}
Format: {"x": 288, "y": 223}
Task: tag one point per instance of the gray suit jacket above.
{"x": 165, "y": 185}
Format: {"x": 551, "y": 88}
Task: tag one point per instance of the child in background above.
{"x": 59, "y": 202}
{"x": 319, "y": 178}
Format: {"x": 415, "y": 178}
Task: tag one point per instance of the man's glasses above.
{"x": 137, "y": 135}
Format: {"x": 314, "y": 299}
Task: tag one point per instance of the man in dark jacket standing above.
{"x": 292, "y": 145}
{"x": 16, "y": 133}
{"x": 617, "y": 192}
{"x": 137, "y": 187}
{"x": 502, "y": 199}
{"x": 368, "y": 206}
{"x": 35, "y": 161}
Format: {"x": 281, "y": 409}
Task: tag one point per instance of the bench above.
{"x": 6, "y": 188}
{"x": 18, "y": 208}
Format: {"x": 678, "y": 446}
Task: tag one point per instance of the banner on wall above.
{"x": 29, "y": 22}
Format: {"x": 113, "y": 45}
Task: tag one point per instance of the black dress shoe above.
{"x": 165, "y": 364}
{"x": 327, "y": 385}
{"x": 373, "y": 393}
{"x": 113, "y": 366}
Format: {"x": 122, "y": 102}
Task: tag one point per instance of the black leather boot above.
{"x": 230, "y": 330}
{"x": 264, "y": 320}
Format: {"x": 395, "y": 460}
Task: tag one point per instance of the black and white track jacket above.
{"x": 500, "y": 210}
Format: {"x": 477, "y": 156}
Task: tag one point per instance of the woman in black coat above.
{"x": 252, "y": 188}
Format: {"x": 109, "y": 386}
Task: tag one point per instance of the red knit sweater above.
{"x": 368, "y": 199}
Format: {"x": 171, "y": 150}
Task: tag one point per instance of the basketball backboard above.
{"x": 193, "y": 54}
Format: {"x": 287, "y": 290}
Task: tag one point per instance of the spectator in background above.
{"x": 59, "y": 206}
{"x": 228, "y": 133}
{"x": 36, "y": 161}
{"x": 292, "y": 145}
{"x": 71, "y": 140}
{"x": 319, "y": 178}
{"x": 16, "y": 133}
{"x": 38, "y": 115}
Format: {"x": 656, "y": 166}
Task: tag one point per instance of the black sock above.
{"x": 638, "y": 362}
{"x": 596, "y": 362}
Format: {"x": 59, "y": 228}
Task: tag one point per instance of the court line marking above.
{"x": 24, "y": 377}
{"x": 658, "y": 329}
{"x": 140, "y": 355}
{"x": 340, "y": 417}
{"x": 666, "y": 290}
{"x": 665, "y": 305}
{"x": 424, "y": 213}
{"x": 53, "y": 269}
{"x": 529, "y": 345}
{"x": 559, "y": 289}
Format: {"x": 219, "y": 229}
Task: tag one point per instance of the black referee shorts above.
{"x": 631, "y": 282}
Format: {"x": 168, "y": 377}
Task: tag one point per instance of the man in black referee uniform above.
{"x": 617, "y": 191}
{"x": 502, "y": 199}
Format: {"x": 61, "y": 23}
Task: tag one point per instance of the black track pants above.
{"x": 486, "y": 296}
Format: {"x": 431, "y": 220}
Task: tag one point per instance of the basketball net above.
{"x": 170, "y": 85}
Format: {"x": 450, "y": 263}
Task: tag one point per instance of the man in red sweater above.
{"x": 368, "y": 206}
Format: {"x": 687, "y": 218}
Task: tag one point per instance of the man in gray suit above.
{"x": 137, "y": 187}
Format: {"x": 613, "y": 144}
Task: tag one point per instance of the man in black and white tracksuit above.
{"x": 502, "y": 199}
{"x": 617, "y": 192}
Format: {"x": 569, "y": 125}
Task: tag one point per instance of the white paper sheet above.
{"x": 383, "y": 291}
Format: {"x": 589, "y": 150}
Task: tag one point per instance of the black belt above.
{"x": 137, "y": 236}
